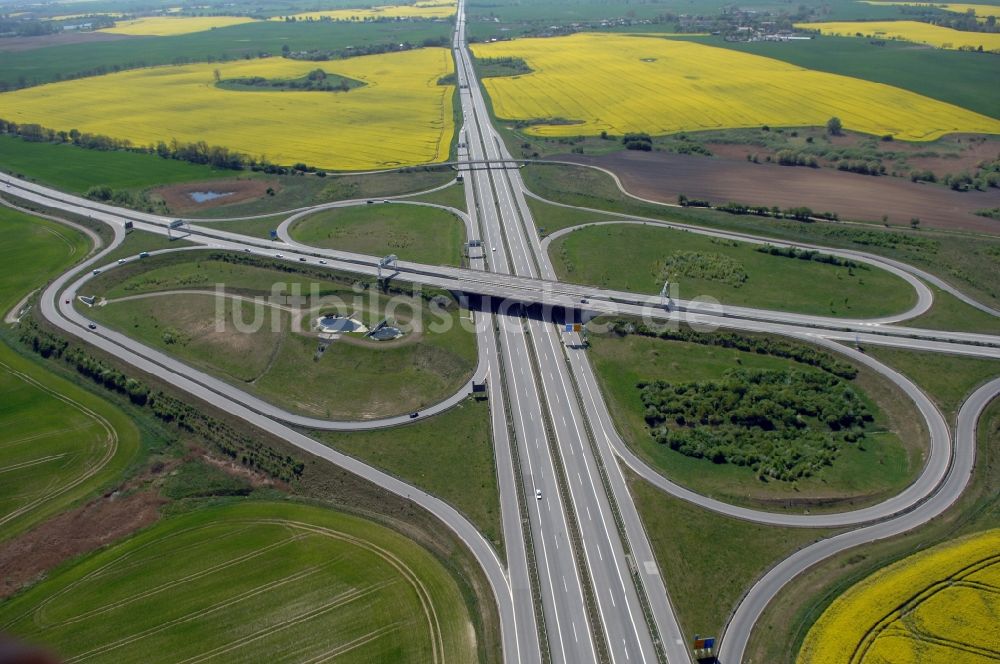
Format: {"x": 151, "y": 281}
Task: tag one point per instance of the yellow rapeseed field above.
{"x": 912, "y": 31}
{"x": 165, "y": 26}
{"x": 981, "y": 11}
{"x": 429, "y": 9}
{"x": 936, "y": 607}
{"x": 620, "y": 83}
{"x": 401, "y": 117}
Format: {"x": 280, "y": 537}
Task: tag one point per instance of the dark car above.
{"x": 414, "y": 415}
{"x": 92, "y": 326}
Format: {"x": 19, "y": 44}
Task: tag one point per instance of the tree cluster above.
{"x": 702, "y": 265}
{"x": 810, "y": 255}
{"x": 637, "y": 141}
{"x": 784, "y": 424}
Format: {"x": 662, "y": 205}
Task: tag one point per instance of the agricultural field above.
{"x": 588, "y": 83}
{"x": 415, "y": 233}
{"x": 428, "y": 9}
{"x": 887, "y": 459}
{"x": 981, "y": 11}
{"x": 189, "y": 588}
{"x": 934, "y": 607}
{"x": 58, "y": 443}
{"x": 401, "y": 116}
{"x": 168, "y": 26}
{"x": 911, "y": 31}
{"x": 734, "y": 273}
{"x": 272, "y": 350}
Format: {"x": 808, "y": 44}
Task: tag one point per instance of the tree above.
{"x": 218, "y": 75}
{"x": 834, "y": 126}
{"x": 914, "y": 222}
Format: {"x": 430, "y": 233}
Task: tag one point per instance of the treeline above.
{"x": 198, "y": 152}
{"x": 637, "y": 141}
{"x": 784, "y": 424}
{"x": 701, "y": 265}
{"x": 316, "y": 80}
{"x": 322, "y": 55}
{"x": 124, "y": 198}
{"x": 230, "y": 442}
{"x": 799, "y": 213}
{"x": 810, "y": 255}
{"x": 760, "y": 345}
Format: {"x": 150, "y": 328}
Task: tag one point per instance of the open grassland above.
{"x": 77, "y": 169}
{"x": 57, "y": 442}
{"x": 911, "y": 31}
{"x": 400, "y": 117}
{"x": 254, "y": 582}
{"x": 449, "y": 455}
{"x": 443, "y": 9}
{"x": 981, "y": 11}
{"x": 413, "y": 232}
{"x": 692, "y": 545}
{"x": 885, "y": 462}
{"x": 269, "y": 348}
{"x": 938, "y": 606}
{"x": 734, "y": 273}
{"x": 968, "y": 262}
{"x": 588, "y": 83}
{"x": 167, "y": 26}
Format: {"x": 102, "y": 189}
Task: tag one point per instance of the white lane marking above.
{"x": 612, "y": 596}
{"x": 579, "y": 479}
{"x": 575, "y": 638}
{"x": 565, "y": 587}
{"x": 588, "y": 514}
{"x": 625, "y": 646}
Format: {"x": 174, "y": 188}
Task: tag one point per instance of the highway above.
{"x": 581, "y": 583}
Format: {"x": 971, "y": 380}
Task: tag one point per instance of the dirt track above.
{"x": 662, "y": 176}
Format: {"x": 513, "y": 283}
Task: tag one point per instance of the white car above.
{"x": 121, "y": 260}
{"x": 322, "y": 262}
{"x": 278, "y": 256}
{"x": 538, "y": 494}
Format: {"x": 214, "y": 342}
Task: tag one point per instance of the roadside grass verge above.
{"x": 275, "y": 353}
{"x": 190, "y": 586}
{"x": 452, "y": 196}
{"x": 708, "y": 560}
{"x": 887, "y": 459}
{"x": 947, "y": 379}
{"x": 950, "y": 313}
{"x": 734, "y": 273}
{"x": 413, "y": 232}
{"x": 778, "y": 635}
{"x": 968, "y": 262}
{"x": 550, "y": 217}
{"x": 449, "y": 455}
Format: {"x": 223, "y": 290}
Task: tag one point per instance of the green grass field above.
{"x": 58, "y": 443}
{"x": 888, "y": 460}
{"x": 413, "y": 232}
{"x": 449, "y": 455}
{"x": 253, "y": 582}
{"x": 453, "y": 196}
{"x": 550, "y": 217}
{"x": 593, "y": 256}
{"x": 44, "y": 65}
{"x": 968, "y": 262}
{"x": 352, "y": 379}
{"x": 707, "y": 560}
{"x": 76, "y": 169}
